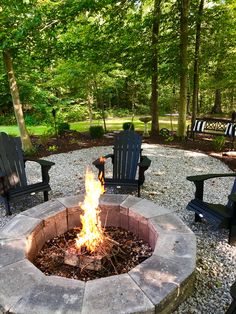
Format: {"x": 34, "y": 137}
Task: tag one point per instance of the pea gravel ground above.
{"x": 165, "y": 185}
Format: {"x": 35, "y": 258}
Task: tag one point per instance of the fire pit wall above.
{"x": 157, "y": 285}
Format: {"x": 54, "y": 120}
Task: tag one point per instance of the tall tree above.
{"x": 26, "y": 142}
{"x": 15, "y": 24}
{"x": 154, "y": 96}
{"x": 184, "y": 11}
{"x": 196, "y": 62}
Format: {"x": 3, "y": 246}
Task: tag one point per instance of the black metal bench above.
{"x": 213, "y": 126}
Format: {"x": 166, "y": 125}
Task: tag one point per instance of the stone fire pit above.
{"x": 157, "y": 285}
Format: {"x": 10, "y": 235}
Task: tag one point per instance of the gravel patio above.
{"x": 165, "y": 185}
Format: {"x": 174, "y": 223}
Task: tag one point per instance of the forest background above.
{"x": 92, "y": 59}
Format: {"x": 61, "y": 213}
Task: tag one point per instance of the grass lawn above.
{"x": 112, "y": 124}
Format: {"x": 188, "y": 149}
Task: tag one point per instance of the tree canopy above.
{"x": 102, "y": 54}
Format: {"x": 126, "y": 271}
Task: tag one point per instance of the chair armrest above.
{"x": 199, "y": 181}
{"x": 100, "y": 165}
{"x": 102, "y": 160}
{"x": 42, "y": 162}
{"x": 45, "y": 167}
{"x": 144, "y": 164}
{"x": 204, "y": 177}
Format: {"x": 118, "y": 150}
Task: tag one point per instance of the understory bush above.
{"x": 128, "y": 126}
{"x": 96, "y": 131}
{"x": 219, "y": 143}
{"x": 62, "y": 127}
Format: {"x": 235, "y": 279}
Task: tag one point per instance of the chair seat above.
{"x": 113, "y": 182}
{"x": 25, "y": 190}
{"x": 217, "y": 213}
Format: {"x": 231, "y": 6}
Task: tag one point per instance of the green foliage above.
{"x": 52, "y": 148}
{"x": 62, "y": 127}
{"x": 43, "y": 139}
{"x": 31, "y": 120}
{"x": 128, "y": 126}
{"x": 218, "y": 143}
{"x": 8, "y": 119}
{"x": 31, "y": 152}
{"x": 96, "y": 131}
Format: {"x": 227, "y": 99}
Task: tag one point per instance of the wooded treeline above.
{"x": 86, "y": 57}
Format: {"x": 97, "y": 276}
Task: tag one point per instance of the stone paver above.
{"x": 159, "y": 284}
{"x": 16, "y": 280}
{"x": 53, "y": 295}
{"x": 116, "y": 295}
{"x": 11, "y": 251}
{"x": 161, "y": 278}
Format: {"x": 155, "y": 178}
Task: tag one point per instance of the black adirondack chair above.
{"x": 219, "y": 214}
{"x": 13, "y": 181}
{"x": 232, "y": 307}
{"x": 126, "y": 159}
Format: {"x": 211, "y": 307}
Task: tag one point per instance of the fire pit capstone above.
{"x": 157, "y": 285}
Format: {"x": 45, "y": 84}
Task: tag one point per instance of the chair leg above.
{"x": 197, "y": 218}
{"x": 232, "y": 234}
{"x": 138, "y": 191}
{"x": 45, "y": 196}
{"x": 7, "y": 206}
{"x": 232, "y": 308}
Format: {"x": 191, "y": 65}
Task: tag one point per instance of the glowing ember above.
{"x": 91, "y": 235}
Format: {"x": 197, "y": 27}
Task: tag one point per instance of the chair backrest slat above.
{"x": 127, "y": 150}
{"x": 11, "y": 161}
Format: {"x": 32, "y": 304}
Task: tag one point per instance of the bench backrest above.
{"x": 215, "y": 126}
{"x": 11, "y": 161}
{"x": 127, "y": 150}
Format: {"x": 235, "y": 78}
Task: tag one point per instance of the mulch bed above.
{"x": 128, "y": 252}
{"x": 73, "y": 140}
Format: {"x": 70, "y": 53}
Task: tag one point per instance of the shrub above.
{"x": 96, "y": 131}
{"x": 62, "y": 127}
{"x": 128, "y": 126}
{"x": 218, "y": 143}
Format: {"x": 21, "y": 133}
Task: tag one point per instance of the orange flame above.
{"x": 91, "y": 235}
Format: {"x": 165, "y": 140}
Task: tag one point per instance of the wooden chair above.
{"x": 221, "y": 215}
{"x": 232, "y": 307}
{"x": 13, "y": 181}
{"x": 126, "y": 159}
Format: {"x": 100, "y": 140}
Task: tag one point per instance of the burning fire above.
{"x": 91, "y": 235}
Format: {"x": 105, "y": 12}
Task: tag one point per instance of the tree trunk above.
{"x": 90, "y": 108}
{"x": 196, "y": 63}
{"x": 183, "y": 67}
{"x": 217, "y": 104}
{"x": 26, "y": 142}
{"x": 154, "y": 96}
